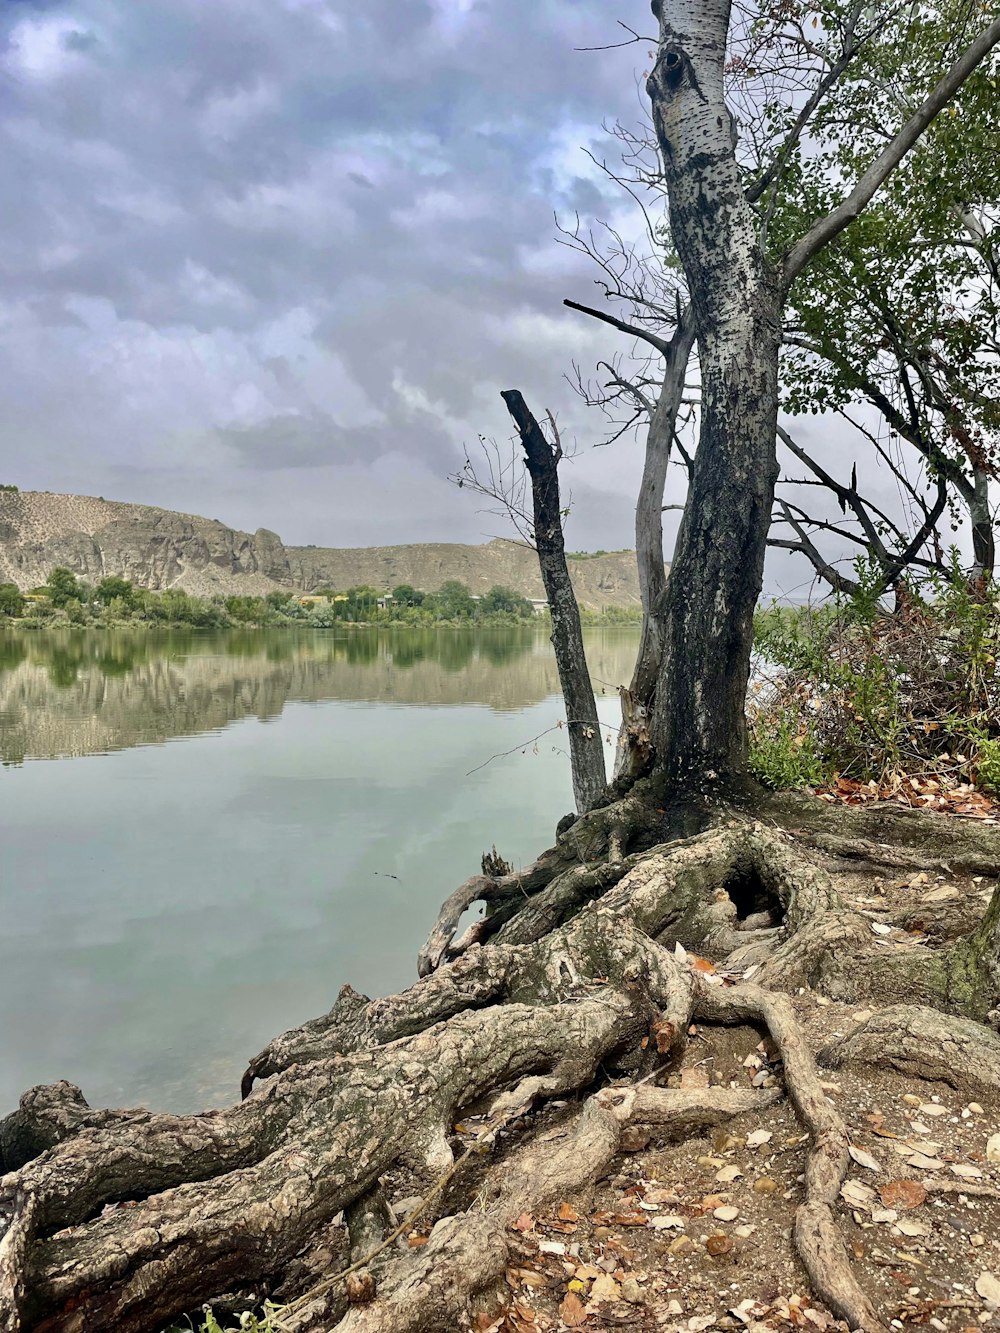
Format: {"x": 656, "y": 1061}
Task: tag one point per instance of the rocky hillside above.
{"x": 158, "y": 548}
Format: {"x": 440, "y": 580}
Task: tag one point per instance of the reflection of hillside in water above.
{"x": 74, "y": 693}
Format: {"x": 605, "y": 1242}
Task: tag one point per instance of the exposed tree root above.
{"x": 923, "y": 1043}
{"x": 969, "y": 861}
{"x": 816, "y": 1236}
{"x": 604, "y": 834}
{"x": 580, "y": 967}
{"x": 467, "y": 1254}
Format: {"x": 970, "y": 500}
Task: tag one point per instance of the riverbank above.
{"x": 116, "y": 603}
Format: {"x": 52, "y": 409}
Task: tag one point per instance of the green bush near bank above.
{"x": 66, "y": 598}
{"x": 857, "y": 691}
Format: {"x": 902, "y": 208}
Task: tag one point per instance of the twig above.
{"x": 503, "y": 754}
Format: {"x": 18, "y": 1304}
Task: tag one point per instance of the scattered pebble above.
{"x": 632, "y": 1292}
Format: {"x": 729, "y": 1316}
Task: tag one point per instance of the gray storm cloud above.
{"x": 273, "y": 260}
{"x": 256, "y": 251}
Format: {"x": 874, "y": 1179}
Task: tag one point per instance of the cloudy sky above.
{"x": 272, "y": 260}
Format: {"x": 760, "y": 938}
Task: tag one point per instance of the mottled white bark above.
{"x": 698, "y": 727}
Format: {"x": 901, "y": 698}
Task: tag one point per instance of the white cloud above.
{"x": 43, "y": 48}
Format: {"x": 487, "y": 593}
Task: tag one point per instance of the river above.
{"x": 203, "y": 835}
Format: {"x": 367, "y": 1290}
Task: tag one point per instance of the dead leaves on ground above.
{"x": 922, "y": 793}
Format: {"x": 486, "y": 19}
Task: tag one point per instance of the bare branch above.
{"x": 661, "y": 344}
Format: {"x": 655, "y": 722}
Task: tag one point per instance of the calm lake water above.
{"x": 204, "y": 834}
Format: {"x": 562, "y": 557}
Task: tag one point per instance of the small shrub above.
{"x": 248, "y": 1322}
{"x": 11, "y": 600}
{"x": 878, "y": 695}
{"x": 987, "y": 762}
{"x": 784, "y": 752}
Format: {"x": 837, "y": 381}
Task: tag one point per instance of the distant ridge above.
{"x": 160, "y": 548}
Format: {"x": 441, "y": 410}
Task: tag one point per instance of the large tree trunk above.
{"x": 585, "y": 747}
{"x": 698, "y": 727}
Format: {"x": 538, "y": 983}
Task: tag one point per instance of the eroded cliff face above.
{"x": 158, "y": 548}
{"x": 155, "y": 548}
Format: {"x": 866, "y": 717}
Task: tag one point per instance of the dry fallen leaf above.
{"x": 903, "y": 1194}
{"x": 665, "y": 1034}
{"x": 717, "y": 1245}
{"x": 858, "y": 1195}
{"x": 571, "y": 1312}
{"x": 909, "y": 1226}
{"x": 605, "y": 1288}
{"x": 567, "y": 1213}
{"x": 524, "y": 1223}
{"x": 586, "y": 1272}
{"x": 864, "y": 1159}
{"x": 924, "y": 1163}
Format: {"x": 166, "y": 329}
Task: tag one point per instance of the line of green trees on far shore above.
{"x": 66, "y": 598}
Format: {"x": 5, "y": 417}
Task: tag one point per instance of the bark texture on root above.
{"x": 922, "y": 1043}
{"x": 921, "y": 834}
{"x": 231, "y": 1196}
{"x": 467, "y": 1254}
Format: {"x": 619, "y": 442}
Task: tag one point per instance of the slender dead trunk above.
{"x": 637, "y": 701}
{"x": 698, "y": 726}
{"x": 585, "y": 747}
